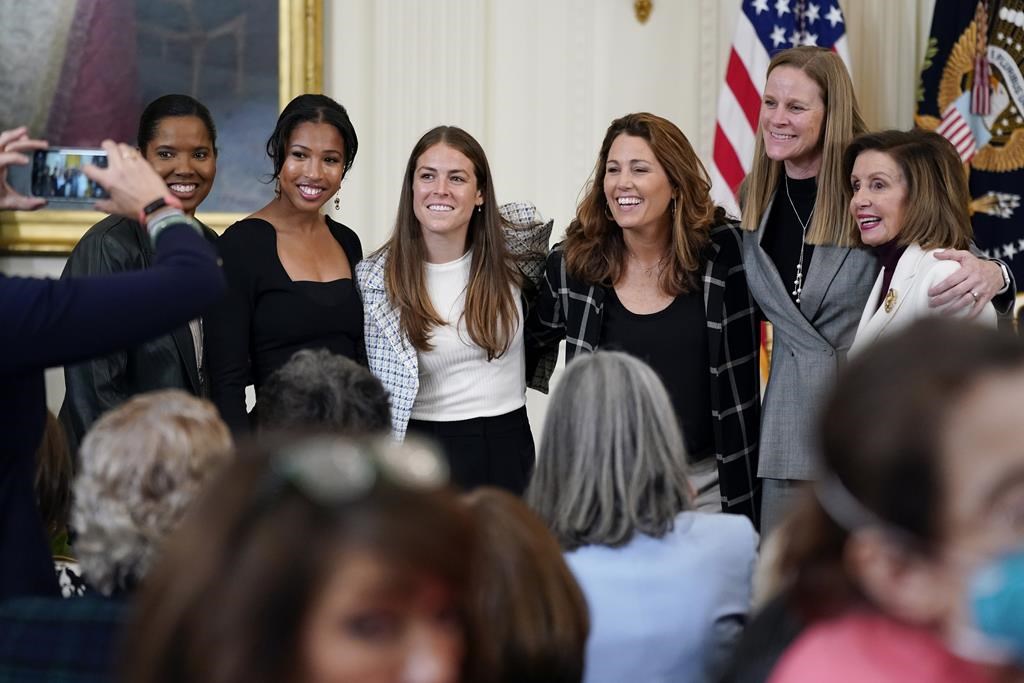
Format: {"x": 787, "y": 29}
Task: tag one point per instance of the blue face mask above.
{"x": 995, "y": 596}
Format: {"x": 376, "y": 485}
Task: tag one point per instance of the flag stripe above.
{"x": 727, "y": 162}
{"x": 742, "y": 88}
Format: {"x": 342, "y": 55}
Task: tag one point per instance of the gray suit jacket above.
{"x": 809, "y": 344}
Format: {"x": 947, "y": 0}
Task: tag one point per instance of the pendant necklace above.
{"x": 798, "y": 281}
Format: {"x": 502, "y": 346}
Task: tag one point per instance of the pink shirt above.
{"x": 862, "y": 647}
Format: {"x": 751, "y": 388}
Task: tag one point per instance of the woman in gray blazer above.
{"x": 804, "y": 264}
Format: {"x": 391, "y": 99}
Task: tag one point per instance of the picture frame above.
{"x": 300, "y": 69}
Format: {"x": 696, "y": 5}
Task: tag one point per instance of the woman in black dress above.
{"x": 289, "y": 267}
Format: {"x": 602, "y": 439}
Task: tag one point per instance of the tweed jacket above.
{"x": 390, "y": 355}
{"x": 907, "y": 298}
{"x": 570, "y": 309}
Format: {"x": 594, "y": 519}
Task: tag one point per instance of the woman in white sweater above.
{"x": 909, "y": 195}
{"x": 443, "y": 312}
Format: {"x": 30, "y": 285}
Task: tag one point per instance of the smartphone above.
{"x": 57, "y": 174}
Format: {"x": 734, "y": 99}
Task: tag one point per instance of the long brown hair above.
{"x": 594, "y": 249}
{"x": 491, "y": 313}
{"x": 937, "y": 211}
{"x": 832, "y": 223}
{"x": 525, "y": 595}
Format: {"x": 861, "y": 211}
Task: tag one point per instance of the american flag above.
{"x": 764, "y": 28}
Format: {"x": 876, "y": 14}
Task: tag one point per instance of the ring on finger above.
{"x": 974, "y": 295}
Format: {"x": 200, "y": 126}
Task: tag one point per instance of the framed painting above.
{"x": 83, "y": 70}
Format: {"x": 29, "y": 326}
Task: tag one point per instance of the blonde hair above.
{"x": 491, "y": 313}
{"x": 832, "y": 223}
{"x": 594, "y": 249}
{"x": 141, "y": 465}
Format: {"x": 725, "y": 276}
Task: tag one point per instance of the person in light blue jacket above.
{"x": 668, "y": 588}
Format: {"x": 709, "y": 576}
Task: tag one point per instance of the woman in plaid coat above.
{"x": 651, "y": 266}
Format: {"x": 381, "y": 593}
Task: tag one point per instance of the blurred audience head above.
{"x": 922, "y": 483}
{"x": 316, "y": 559}
{"x": 611, "y": 461}
{"x": 141, "y": 465}
{"x": 54, "y": 472}
{"x": 524, "y": 596}
{"x": 323, "y": 392}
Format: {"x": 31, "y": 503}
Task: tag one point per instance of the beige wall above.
{"x": 538, "y": 81}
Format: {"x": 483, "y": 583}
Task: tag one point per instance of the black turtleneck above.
{"x": 888, "y": 256}
{"x": 782, "y": 232}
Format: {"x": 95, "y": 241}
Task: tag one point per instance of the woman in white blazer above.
{"x": 909, "y": 196}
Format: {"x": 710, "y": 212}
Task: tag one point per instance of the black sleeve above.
{"x": 94, "y": 387}
{"x": 227, "y": 332}
{"x": 545, "y": 325}
{"x": 54, "y": 322}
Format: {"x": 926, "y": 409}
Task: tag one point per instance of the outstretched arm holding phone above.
{"x": 50, "y": 322}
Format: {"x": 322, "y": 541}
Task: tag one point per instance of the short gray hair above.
{"x": 612, "y": 460}
{"x": 141, "y": 465}
{"x": 317, "y": 390}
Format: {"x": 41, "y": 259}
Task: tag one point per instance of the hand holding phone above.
{"x": 13, "y": 144}
{"x": 131, "y": 182}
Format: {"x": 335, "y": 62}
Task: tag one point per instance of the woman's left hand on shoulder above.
{"x": 970, "y": 288}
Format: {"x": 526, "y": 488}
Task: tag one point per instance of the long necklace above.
{"x": 798, "y": 281}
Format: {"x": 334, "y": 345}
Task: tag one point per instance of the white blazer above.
{"x": 907, "y": 297}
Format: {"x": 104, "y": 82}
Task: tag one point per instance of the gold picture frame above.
{"x": 300, "y": 69}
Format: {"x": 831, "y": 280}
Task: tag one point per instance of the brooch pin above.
{"x": 890, "y": 300}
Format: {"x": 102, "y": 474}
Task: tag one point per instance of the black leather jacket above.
{"x": 167, "y": 362}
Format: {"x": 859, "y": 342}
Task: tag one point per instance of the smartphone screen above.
{"x": 57, "y": 174}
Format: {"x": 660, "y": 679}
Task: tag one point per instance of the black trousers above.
{"x": 485, "y": 451}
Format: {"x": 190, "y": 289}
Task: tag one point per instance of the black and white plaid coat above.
{"x": 569, "y": 309}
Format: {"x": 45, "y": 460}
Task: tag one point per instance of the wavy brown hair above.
{"x": 937, "y": 206}
{"x": 831, "y": 223}
{"x": 491, "y": 313}
{"x": 594, "y": 249}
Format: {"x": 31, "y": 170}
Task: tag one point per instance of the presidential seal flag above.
{"x": 972, "y": 92}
